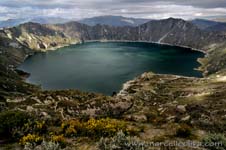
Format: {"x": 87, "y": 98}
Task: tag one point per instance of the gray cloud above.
{"x": 156, "y": 9}
{"x": 195, "y": 3}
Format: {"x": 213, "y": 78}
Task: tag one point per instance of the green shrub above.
{"x": 215, "y": 142}
{"x": 121, "y": 142}
{"x": 184, "y": 131}
{"x": 9, "y": 120}
{"x": 32, "y": 141}
{"x": 44, "y": 146}
{"x": 34, "y": 126}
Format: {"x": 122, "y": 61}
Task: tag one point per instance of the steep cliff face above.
{"x": 39, "y": 37}
{"x": 72, "y": 30}
{"x": 113, "y": 33}
{"x": 98, "y": 32}
{"x": 12, "y": 53}
{"x": 178, "y": 32}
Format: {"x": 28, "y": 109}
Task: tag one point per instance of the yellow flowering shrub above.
{"x": 37, "y": 127}
{"x": 70, "y": 131}
{"x": 104, "y": 127}
{"x": 31, "y": 138}
{"x": 69, "y": 127}
{"x": 93, "y": 127}
{"x": 58, "y": 138}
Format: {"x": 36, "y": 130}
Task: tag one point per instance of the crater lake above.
{"x": 104, "y": 67}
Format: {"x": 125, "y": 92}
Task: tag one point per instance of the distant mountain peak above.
{"x": 203, "y": 23}
{"x": 41, "y": 20}
{"x": 113, "y": 21}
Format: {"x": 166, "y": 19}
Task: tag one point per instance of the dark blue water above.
{"x": 104, "y": 67}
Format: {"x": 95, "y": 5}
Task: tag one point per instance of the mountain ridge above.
{"x": 203, "y": 23}
{"x": 153, "y": 31}
{"x": 115, "y": 21}
{"x": 41, "y": 20}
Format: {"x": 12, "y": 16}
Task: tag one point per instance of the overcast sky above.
{"x": 77, "y": 9}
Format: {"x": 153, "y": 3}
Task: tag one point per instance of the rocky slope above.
{"x": 12, "y": 53}
{"x": 178, "y": 32}
{"x": 38, "y": 37}
{"x": 156, "y": 107}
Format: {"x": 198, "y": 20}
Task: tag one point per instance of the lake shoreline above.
{"x": 150, "y": 42}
